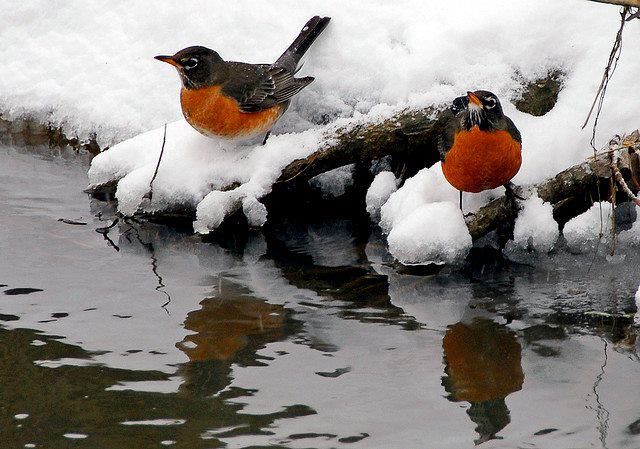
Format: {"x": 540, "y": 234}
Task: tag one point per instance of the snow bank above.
{"x": 193, "y": 170}
{"x": 433, "y": 233}
{"x": 535, "y": 227}
{"x": 90, "y": 68}
{"x": 582, "y": 233}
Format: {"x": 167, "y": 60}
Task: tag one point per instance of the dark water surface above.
{"x": 305, "y": 338}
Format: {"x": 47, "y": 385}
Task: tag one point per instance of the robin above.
{"x": 236, "y": 100}
{"x": 481, "y": 148}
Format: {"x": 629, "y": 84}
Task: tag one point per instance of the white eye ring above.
{"x": 490, "y": 103}
{"x": 189, "y": 63}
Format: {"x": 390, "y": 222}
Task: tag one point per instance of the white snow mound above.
{"x": 535, "y": 227}
{"x": 382, "y": 186}
{"x": 194, "y": 169}
{"x": 433, "y": 233}
{"x": 428, "y": 186}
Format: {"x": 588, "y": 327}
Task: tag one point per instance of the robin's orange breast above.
{"x": 214, "y": 114}
{"x": 482, "y": 160}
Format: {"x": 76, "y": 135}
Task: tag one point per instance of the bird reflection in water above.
{"x": 482, "y": 366}
{"x": 226, "y": 325}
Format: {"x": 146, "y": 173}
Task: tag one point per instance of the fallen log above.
{"x": 411, "y": 136}
{"x": 571, "y": 192}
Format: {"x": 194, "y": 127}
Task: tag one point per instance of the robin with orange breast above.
{"x": 236, "y": 100}
{"x": 481, "y": 148}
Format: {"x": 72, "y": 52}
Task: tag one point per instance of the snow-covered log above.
{"x": 571, "y": 192}
{"x": 410, "y": 137}
{"x": 409, "y": 140}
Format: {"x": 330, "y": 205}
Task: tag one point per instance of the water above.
{"x": 305, "y": 338}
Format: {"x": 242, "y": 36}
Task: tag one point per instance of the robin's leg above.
{"x": 467, "y": 215}
{"x": 266, "y": 136}
{"x": 510, "y": 191}
{"x": 512, "y": 196}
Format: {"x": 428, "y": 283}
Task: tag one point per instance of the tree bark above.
{"x": 410, "y": 136}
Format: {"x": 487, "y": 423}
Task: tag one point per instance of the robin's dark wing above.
{"x": 445, "y": 139}
{"x": 257, "y": 87}
{"x": 511, "y": 129}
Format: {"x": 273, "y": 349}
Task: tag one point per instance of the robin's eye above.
{"x": 189, "y": 63}
{"x": 490, "y": 103}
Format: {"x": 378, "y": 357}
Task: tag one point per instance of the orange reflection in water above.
{"x": 483, "y": 361}
{"x": 483, "y": 366}
{"x": 225, "y": 326}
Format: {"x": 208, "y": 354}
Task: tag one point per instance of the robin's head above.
{"x": 480, "y": 108}
{"x": 197, "y": 66}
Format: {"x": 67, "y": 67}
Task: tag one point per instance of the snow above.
{"x": 193, "y": 170}
{"x": 535, "y": 227}
{"x": 433, "y": 233}
{"x": 382, "y": 186}
{"x": 425, "y": 211}
{"x": 583, "y": 231}
{"x": 90, "y": 69}
{"x": 427, "y": 186}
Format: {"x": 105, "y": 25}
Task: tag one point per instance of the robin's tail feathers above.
{"x": 290, "y": 89}
{"x": 292, "y": 55}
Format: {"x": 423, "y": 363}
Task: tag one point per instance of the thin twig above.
{"x": 312, "y": 158}
{"x": 620, "y": 179}
{"x": 635, "y": 15}
{"x": 155, "y": 173}
{"x": 598, "y": 101}
{"x": 612, "y": 250}
{"x": 614, "y": 56}
{"x": 105, "y": 229}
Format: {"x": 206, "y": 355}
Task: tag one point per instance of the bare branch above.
{"x": 633, "y": 3}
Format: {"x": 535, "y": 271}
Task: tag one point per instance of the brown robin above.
{"x": 481, "y": 148}
{"x": 238, "y": 100}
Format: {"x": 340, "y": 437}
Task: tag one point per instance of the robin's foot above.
{"x": 266, "y": 136}
{"x": 510, "y": 191}
{"x": 512, "y": 198}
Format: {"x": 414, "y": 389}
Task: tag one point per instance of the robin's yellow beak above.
{"x": 473, "y": 99}
{"x": 168, "y": 60}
